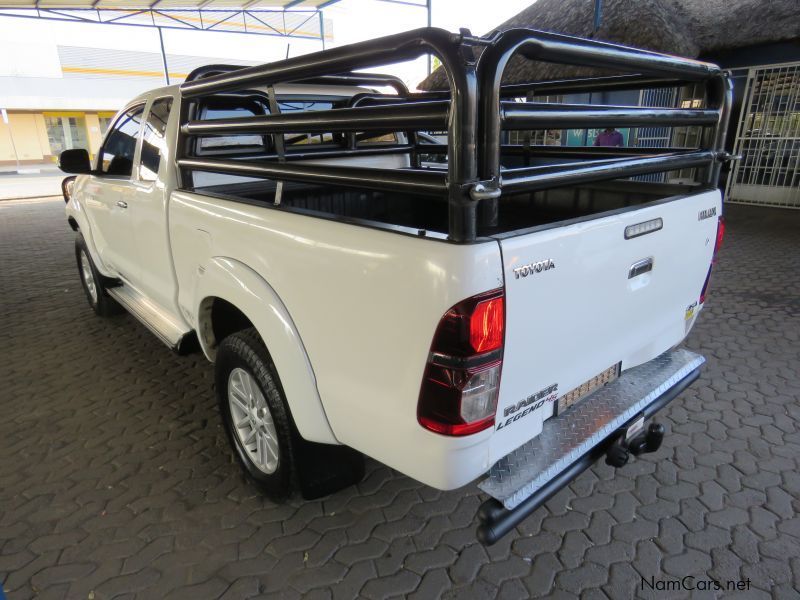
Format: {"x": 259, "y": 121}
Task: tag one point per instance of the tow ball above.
{"x": 619, "y": 453}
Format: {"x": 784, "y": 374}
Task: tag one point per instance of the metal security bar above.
{"x": 474, "y": 114}
{"x": 658, "y": 136}
{"x": 530, "y": 115}
{"x": 426, "y": 115}
{"x": 768, "y": 139}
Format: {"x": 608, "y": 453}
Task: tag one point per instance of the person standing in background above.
{"x": 609, "y": 137}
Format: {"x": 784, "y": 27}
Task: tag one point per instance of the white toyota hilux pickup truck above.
{"x": 416, "y": 277}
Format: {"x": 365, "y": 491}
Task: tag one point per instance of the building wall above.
{"x": 20, "y": 139}
{"x": 95, "y": 135}
{"x": 25, "y": 138}
{"x": 41, "y": 132}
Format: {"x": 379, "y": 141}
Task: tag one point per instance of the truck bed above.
{"x": 517, "y": 212}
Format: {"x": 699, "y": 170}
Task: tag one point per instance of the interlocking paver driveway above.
{"x": 116, "y": 480}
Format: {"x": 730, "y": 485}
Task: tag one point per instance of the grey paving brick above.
{"x": 587, "y": 576}
{"x": 355, "y": 579}
{"x": 133, "y": 582}
{"x": 574, "y": 548}
{"x": 499, "y": 571}
{"x": 421, "y": 562}
{"x": 148, "y": 554}
{"x": 433, "y": 585}
{"x": 475, "y": 589}
{"x": 353, "y": 553}
{"x": 542, "y": 576}
{"x": 513, "y": 589}
{"x": 61, "y": 574}
{"x": 469, "y": 561}
{"x": 707, "y": 539}
{"x": 616, "y": 551}
{"x": 400, "y": 583}
{"x": 324, "y": 576}
{"x": 244, "y": 587}
{"x": 213, "y": 588}
{"x": 689, "y": 563}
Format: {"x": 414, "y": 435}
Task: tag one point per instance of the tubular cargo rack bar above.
{"x": 474, "y": 112}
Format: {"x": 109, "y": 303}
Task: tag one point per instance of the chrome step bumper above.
{"x": 524, "y": 479}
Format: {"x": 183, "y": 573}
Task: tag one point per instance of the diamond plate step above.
{"x": 564, "y": 439}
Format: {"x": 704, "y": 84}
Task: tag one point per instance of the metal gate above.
{"x": 768, "y": 139}
{"x": 655, "y": 137}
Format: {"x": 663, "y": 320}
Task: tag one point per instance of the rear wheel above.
{"x": 252, "y": 421}
{"x": 94, "y": 284}
{"x": 263, "y": 434}
{"x": 253, "y": 409}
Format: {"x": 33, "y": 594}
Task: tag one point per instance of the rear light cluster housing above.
{"x": 717, "y": 246}
{"x": 462, "y": 376}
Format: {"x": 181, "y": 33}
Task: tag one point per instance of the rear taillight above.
{"x": 462, "y": 378}
{"x": 717, "y": 246}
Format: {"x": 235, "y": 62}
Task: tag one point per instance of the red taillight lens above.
{"x": 717, "y": 246}
{"x": 720, "y": 235}
{"x": 486, "y": 325}
{"x": 462, "y": 378}
{"x": 704, "y": 291}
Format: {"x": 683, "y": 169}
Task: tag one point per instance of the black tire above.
{"x": 245, "y": 350}
{"x": 101, "y": 303}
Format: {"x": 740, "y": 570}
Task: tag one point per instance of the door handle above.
{"x": 638, "y": 268}
{"x": 122, "y": 204}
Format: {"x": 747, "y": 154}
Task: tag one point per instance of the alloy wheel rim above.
{"x": 252, "y": 421}
{"x": 88, "y": 277}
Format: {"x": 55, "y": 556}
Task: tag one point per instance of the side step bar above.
{"x": 165, "y": 327}
{"x": 571, "y": 443}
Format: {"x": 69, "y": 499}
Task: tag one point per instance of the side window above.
{"x": 116, "y": 158}
{"x": 296, "y": 106}
{"x": 154, "y": 142}
{"x": 230, "y": 144}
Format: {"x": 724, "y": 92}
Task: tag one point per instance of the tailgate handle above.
{"x": 638, "y": 268}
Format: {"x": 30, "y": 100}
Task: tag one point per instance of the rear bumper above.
{"x": 522, "y": 481}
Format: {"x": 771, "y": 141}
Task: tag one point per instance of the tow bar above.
{"x": 619, "y": 453}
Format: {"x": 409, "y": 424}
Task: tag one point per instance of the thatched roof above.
{"x": 689, "y": 28}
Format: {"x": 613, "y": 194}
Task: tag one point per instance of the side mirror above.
{"x": 75, "y": 161}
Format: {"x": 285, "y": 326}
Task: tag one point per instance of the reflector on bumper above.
{"x": 586, "y": 388}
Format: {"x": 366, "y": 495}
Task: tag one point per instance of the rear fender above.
{"x": 238, "y": 284}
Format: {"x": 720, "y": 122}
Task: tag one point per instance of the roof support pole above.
{"x": 321, "y": 28}
{"x": 598, "y": 14}
{"x": 428, "y": 9}
{"x": 163, "y": 54}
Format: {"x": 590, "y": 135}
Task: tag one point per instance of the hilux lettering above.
{"x": 707, "y": 213}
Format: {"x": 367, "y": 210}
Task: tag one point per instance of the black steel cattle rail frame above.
{"x": 474, "y": 112}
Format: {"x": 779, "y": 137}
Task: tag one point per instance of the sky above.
{"x": 358, "y": 20}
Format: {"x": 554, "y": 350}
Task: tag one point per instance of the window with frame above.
{"x": 119, "y": 148}
{"x": 154, "y": 142}
{"x": 222, "y": 108}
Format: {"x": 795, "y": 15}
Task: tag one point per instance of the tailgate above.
{"x": 581, "y": 299}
